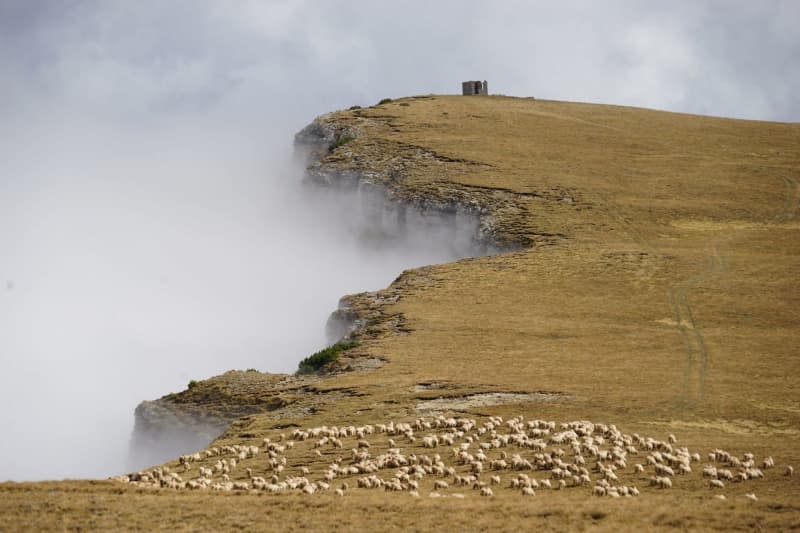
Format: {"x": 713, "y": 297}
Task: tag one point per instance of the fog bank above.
{"x": 138, "y": 260}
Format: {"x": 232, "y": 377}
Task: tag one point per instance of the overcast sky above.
{"x": 292, "y": 59}
{"x": 151, "y": 230}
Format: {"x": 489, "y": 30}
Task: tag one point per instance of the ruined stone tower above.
{"x": 474, "y": 87}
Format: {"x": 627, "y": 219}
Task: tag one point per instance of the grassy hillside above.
{"x": 657, "y": 291}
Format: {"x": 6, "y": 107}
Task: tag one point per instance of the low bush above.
{"x": 385, "y": 101}
{"x": 315, "y": 362}
{"x": 344, "y": 139}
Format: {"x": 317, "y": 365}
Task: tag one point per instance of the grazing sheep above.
{"x": 710, "y": 471}
{"x": 664, "y": 482}
{"x": 751, "y": 496}
{"x": 727, "y": 475}
{"x": 560, "y": 455}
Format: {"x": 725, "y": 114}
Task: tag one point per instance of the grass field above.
{"x": 657, "y": 291}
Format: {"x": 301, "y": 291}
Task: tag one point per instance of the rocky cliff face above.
{"x": 178, "y": 423}
{"x": 164, "y": 429}
{"x": 181, "y": 422}
{"x": 337, "y": 160}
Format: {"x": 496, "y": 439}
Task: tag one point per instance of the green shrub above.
{"x": 192, "y": 384}
{"x": 354, "y": 107}
{"x": 316, "y": 361}
{"x": 385, "y": 101}
{"x": 344, "y": 139}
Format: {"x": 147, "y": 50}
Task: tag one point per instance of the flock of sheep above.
{"x": 446, "y": 455}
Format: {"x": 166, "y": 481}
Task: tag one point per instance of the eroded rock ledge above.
{"x": 337, "y": 158}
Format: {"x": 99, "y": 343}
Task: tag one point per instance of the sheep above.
{"x": 710, "y": 471}
{"x": 751, "y": 496}
{"x": 727, "y": 475}
{"x": 664, "y": 469}
{"x": 486, "y": 491}
{"x": 471, "y": 445}
{"x": 661, "y": 481}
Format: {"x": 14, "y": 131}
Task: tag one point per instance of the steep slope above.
{"x": 651, "y": 285}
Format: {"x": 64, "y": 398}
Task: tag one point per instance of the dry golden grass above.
{"x": 96, "y": 506}
{"x": 659, "y": 294}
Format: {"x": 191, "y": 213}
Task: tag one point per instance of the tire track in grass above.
{"x": 792, "y": 200}
{"x": 697, "y": 357}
